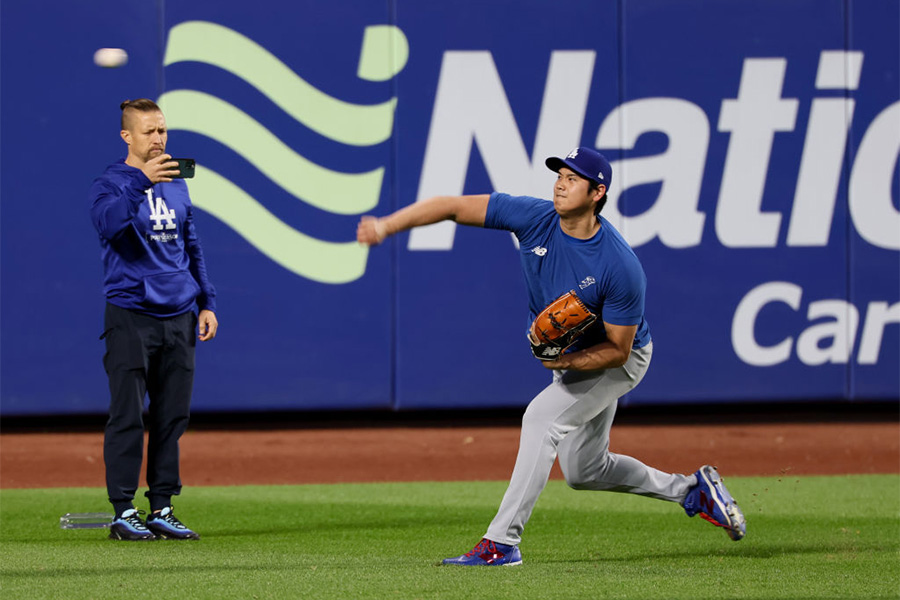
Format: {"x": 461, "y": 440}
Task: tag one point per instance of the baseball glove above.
{"x": 559, "y": 325}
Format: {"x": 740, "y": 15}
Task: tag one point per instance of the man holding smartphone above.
{"x": 154, "y": 278}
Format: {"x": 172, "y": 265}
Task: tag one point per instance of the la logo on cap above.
{"x": 573, "y": 153}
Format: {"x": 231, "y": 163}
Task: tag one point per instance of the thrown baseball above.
{"x": 110, "y": 58}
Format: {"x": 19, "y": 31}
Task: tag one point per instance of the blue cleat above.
{"x": 129, "y": 527}
{"x": 488, "y": 554}
{"x": 711, "y": 500}
{"x": 165, "y": 525}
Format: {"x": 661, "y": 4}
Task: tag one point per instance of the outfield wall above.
{"x": 755, "y": 154}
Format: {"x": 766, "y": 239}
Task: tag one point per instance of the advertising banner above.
{"x": 754, "y": 148}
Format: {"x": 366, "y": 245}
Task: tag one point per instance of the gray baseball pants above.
{"x": 571, "y": 418}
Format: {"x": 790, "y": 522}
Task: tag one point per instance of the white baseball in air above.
{"x": 110, "y": 58}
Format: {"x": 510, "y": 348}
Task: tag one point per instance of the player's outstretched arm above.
{"x": 465, "y": 210}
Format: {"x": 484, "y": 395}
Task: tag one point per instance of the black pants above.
{"x": 146, "y": 356}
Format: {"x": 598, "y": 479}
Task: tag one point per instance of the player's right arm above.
{"x": 115, "y": 201}
{"x": 465, "y": 210}
{"x": 115, "y": 205}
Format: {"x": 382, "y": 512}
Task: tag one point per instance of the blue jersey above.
{"x": 152, "y": 260}
{"x": 603, "y": 270}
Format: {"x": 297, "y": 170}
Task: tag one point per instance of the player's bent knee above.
{"x": 586, "y": 477}
{"x": 579, "y": 484}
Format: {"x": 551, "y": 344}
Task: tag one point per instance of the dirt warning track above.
{"x": 432, "y": 453}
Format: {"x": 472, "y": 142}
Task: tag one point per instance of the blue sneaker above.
{"x": 488, "y": 554}
{"x": 165, "y": 525}
{"x": 129, "y": 527}
{"x": 711, "y": 500}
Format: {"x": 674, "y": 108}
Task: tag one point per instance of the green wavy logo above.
{"x": 384, "y": 54}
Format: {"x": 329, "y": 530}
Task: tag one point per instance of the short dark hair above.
{"x": 140, "y": 105}
{"x": 602, "y": 201}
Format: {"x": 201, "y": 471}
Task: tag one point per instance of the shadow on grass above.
{"x": 325, "y": 528}
{"x": 362, "y": 521}
{"x": 735, "y": 550}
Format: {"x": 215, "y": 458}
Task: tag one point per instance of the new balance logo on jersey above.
{"x": 539, "y": 251}
{"x": 159, "y": 213}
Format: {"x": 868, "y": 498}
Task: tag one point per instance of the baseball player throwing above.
{"x": 576, "y": 266}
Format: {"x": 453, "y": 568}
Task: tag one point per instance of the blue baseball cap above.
{"x": 585, "y": 161}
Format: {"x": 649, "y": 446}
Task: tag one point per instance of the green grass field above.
{"x": 808, "y": 537}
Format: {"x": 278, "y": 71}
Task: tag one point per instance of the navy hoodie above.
{"x": 152, "y": 260}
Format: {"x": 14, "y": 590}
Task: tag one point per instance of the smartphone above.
{"x": 186, "y": 166}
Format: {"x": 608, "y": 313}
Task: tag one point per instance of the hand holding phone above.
{"x": 163, "y": 168}
{"x": 186, "y": 167}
